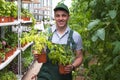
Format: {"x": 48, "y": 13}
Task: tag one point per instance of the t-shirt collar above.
{"x": 54, "y": 29}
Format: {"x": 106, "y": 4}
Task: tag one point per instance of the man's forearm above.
{"x": 78, "y": 60}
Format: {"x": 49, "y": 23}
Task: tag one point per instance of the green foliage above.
{"x": 79, "y": 19}
{"x": 27, "y": 58}
{"x": 2, "y": 55}
{"x": 93, "y": 24}
{"x": 7, "y": 75}
{"x": 0, "y": 45}
{"x": 98, "y": 23}
{"x": 11, "y": 38}
{"x": 60, "y": 54}
{"x": 8, "y": 9}
{"x": 40, "y": 40}
{"x": 116, "y": 49}
{"x": 25, "y": 13}
{"x": 13, "y": 10}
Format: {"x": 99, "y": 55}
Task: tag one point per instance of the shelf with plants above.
{"x": 8, "y": 14}
{"x": 8, "y": 46}
{"x": 26, "y": 46}
{"x": 8, "y": 39}
{"x": 8, "y": 11}
{"x": 4, "y": 64}
{"x": 27, "y": 39}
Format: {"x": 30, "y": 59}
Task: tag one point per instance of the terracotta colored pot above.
{"x": 0, "y": 19}
{"x": 22, "y": 45}
{"x": 41, "y": 58}
{"x": 11, "y": 19}
{"x": 3, "y": 19}
{"x": 25, "y": 18}
{"x": 8, "y": 54}
{"x": 13, "y": 50}
{"x": 0, "y": 60}
{"x": 62, "y": 69}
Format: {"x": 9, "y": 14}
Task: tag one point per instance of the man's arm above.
{"x": 78, "y": 59}
{"x": 77, "y": 62}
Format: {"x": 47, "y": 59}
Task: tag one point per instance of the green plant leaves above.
{"x": 117, "y": 47}
{"x": 109, "y": 67}
{"x": 92, "y": 4}
{"x": 100, "y": 33}
{"x": 107, "y": 2}
{"x": 61, "y": 54}
{"x": 112, "y": 14}
{"x": 116, "y": 60}
{"x": 93, "y": 24}
{"x": 94, "y": 38}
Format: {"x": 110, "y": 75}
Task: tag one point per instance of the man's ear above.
{"x": 68, "y": 16}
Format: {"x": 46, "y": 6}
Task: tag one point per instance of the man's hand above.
{"x": 68, "y": 69}
{"x": 35, "y": 54}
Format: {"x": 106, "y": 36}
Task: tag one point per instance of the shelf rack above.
{"x": 10, "y": 23}
{"x": 4, "y": 64}
{"x": 18, "y": 52}
{"x": 26, "y": 46}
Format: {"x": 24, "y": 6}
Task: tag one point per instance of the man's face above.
{"x": 61, "y": 18}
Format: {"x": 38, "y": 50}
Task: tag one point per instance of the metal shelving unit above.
{"x": 19, "y": 50}
{"x": 15, "y": 23}
{"x": 18, "y": 23}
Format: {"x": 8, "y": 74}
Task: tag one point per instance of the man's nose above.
{"x": 60, "y": 17}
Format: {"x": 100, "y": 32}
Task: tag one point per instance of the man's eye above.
{"x": 64, "y": 15}
{"x": 57, "y": 15}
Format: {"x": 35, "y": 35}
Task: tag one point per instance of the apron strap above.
{"x": 70, "y": 41}
{"x": 50, "y": 32}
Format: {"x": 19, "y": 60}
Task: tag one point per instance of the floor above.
{"x": 32, "y": 72}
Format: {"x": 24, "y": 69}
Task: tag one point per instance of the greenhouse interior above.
{"x": 22, "y": 27}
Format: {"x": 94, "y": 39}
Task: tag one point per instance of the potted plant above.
{"x": 2, "y": 11}
{"x": 7, "y": 75}
{"x": 24, "y": 39}
{"x": 39, "y": 47}
{"x": 6, "y": 9}
{"x": 14, "y": 10}
{"x": 25, "y": 14}
{"x": 8, "y": 53}
{"x": 2, "y": 57}
{"x": 61, "y": 54}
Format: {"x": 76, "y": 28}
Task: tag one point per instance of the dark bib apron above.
{"x": 50, "y": 71}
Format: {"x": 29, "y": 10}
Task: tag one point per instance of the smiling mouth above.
{"x": 61, "y": 22}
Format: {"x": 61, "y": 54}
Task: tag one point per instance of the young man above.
{"x": 61, "y": 32}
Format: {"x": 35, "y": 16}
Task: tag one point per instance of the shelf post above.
{"x": 19, "y": 36}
